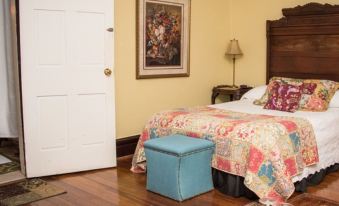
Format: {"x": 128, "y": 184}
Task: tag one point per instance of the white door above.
{"x": 68, "y": 101}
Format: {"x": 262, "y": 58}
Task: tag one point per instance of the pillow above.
{"x": 262, "y": 101}
{"x": 308, "y": 88}
{"x": 319, "y": 99}
{"x": 283, "y": 97}
{"x": 255, "y": 93}
{"x": 335, "y": 100}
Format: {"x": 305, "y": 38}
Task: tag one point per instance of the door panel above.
{"x": 68, "y": 102}
{"x": 93, "y": 29}
{"x": 52, "y": 122}
{"x": 50, "y": 37}
{"x": 92, "y": 131}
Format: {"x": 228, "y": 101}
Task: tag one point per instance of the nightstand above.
{"x": 233, "y": 93}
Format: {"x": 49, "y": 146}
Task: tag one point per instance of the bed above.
{"x": 327, "y": 137}
{"x": 303, "y": 44}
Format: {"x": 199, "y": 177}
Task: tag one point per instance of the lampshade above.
{"x": 233, "y": 48}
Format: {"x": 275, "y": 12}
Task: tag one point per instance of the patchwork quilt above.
{"x": 266, "y": 150}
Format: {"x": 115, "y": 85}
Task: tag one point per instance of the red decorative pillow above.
{"x": 284, "y": 97}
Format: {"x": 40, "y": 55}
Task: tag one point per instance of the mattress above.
{"x": 325, "y": 126}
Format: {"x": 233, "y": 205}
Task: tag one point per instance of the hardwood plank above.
{"x": 119, "y": 186}
{"x": 11, "y": 177}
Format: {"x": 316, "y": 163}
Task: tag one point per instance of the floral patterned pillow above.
{"x": 320, "y": 98}
{"x": 263, "y": 100}
{"x": 308, "y": 88}
{"x": 284, "y": 97}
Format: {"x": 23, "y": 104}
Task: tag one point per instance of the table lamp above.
{"x": 233, "y": 50}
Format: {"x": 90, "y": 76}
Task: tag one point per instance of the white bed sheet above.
{"x": 325, "y": 126}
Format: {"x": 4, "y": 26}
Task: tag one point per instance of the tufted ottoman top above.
{"x": 178, "y": 145}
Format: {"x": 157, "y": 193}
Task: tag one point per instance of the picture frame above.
{"x": 163, "y": 35}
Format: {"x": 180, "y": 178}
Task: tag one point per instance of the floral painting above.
{"x": 163, "y": 38}
{"x": 163, "y": 35}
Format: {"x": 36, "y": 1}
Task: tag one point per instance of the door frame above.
{"x": 15, "y": 34}
{"x": 15, "y": 21}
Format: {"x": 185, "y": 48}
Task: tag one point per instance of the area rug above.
{"x": 9, "y": 167}
{"x": 27, "y": 191}
{"x": 10, "y": 152}
{"x": 304, "y": 199}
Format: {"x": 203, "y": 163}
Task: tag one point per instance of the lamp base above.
{"x": 234, "y": 86}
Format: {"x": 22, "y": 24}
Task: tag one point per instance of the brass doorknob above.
{"x": 108, "y": 72}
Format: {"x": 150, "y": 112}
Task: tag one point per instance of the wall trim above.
{"x": 126, "y": 146}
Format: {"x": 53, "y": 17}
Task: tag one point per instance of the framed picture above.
{"x": 163, "y": 38}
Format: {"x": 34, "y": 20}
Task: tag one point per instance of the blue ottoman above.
{"x": 178, "y": 166}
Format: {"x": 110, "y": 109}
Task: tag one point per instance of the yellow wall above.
{"x": 137, "y": 100}
{"x": 248, "y": 24}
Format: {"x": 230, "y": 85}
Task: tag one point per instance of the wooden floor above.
{"x": 119, "y": 186}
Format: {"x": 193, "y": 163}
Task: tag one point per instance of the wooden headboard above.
{"x": 304, "y": 43}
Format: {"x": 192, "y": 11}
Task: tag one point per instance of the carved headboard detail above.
{"x": 304, "y": 43}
